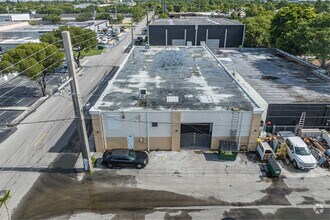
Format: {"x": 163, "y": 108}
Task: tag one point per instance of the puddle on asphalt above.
{"x": 61, "y": 194}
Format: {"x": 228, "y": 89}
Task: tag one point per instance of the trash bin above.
{"x": 273, "y": 168}
{"x": 100, "y": 47}
{"x": 228, "y": 150}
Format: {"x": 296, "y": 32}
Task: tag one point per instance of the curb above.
{"x": 22, "y": 116}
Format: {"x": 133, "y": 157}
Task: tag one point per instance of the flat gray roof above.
{"x": 22, "y": 40}
{"x": 185, "y": 78}
{"x": 194, "y": 21}
{"x": 47, "y": 28}
{"x": 86, "y": 23}
{"x": 278, "y": 79}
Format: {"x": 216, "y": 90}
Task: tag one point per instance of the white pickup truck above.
{"x": 298, "y": 152}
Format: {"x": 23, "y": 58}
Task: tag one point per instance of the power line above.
{"x": 134, "y": 120}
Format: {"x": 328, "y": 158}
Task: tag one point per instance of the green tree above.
{"x": 52, "y": 10}
{"x": 201, "y": 5}
{"x": 82, "y": 39}
{"x": 51, "y": 18}
{"x": 120, "y": 18}
{"x": 169, "y": 8}
{"x": 284, "y": 25}
{"x": 36, "y": 67}
{"x": 163, "y": 16}
{"x": 103, "y": 16}
{"x": 257, "y": 31}
{"x": 84, "y": 17}
{"x": 318, "y": 38}
{"x": 138, "y": 12}
{"x": 321, "y": 6}
{"x": 4, "y": 197}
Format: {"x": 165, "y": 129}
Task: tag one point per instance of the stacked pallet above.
{"x": 320, "y": 150}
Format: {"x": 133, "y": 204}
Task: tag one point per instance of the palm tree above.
{"x": 4, "y": 196}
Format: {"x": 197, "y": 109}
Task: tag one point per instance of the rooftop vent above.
{"x": 205, "y": 99}
{"x": 172, "y": 99}
{"x": 142, "y": 93}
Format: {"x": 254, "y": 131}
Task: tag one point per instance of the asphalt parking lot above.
{"x": 179, "y": 185}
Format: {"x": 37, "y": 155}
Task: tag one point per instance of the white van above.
{"x": 265, "y": 151}
{"x": 299, "y": 153}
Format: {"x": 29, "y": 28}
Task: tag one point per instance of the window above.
{"x": 115, "y": 158}
{"x": 289, "y": 145}
{"x": 302, "y": 151}
{"x": 154, "y": 124}
{"x": 125, "y": 159}
{"x": 132, "y": 155}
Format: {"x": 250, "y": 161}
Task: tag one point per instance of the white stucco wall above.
{"x": 221, "y": 121}
{"x": 135, "y": 123}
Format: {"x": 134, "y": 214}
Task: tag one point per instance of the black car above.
{"x": 138, "y": 41}
{"x": 125, "y": 158}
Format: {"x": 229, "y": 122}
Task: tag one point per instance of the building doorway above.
{"x": 196, "y": 136}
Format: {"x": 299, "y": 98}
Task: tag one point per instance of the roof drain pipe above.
{"x": 140, "y": 123}
{"x": 147, "y": 123}
{"x": 240, "y": 129}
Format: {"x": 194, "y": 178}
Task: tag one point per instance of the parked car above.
{"x": 125, "y": 158}
{"x": 299, "y": 153}
{"x": 104, "y": 40}
{"x": 138, "y": 41}
{"x": 265, "y": 151}
{"x": 62, "y": 69}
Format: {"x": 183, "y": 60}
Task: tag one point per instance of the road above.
{"x": 40, "y": 137}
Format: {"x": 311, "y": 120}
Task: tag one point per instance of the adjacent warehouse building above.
{"x": 168, "y": 98}
{"x": 14, "y": 17}
{"x": 13, "y": 34}
{"x": 282, "y": 84}
{"x": 196, "y": 31}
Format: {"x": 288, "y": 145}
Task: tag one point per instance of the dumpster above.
{"x": 227, "y": 150}
{"x": 227, "y": 155}
{"x": 273, "y": 168}
{"x": 100, "y": 47}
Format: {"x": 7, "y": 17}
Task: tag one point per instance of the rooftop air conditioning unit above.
{"x": 142, "y": 93}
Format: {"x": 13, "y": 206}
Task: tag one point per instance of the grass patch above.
{"x": 92, "y": 52}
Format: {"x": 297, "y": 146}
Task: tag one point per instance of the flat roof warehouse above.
{"x": 187, "y": 78}
{"x": 277, "y": 78}
{"x": 194, "y": 21}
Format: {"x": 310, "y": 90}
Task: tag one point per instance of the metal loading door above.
{"x": 196, "y": 135}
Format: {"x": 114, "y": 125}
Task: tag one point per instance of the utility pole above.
{"x": 163, "y": 6}
{"x": 116, "y": 12}
{"x": 77, "y": 103}
{"x": 132, "y": 30}
{"x": 147, "y": 15}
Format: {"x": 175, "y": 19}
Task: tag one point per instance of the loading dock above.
{"x": 196, "y": 135}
